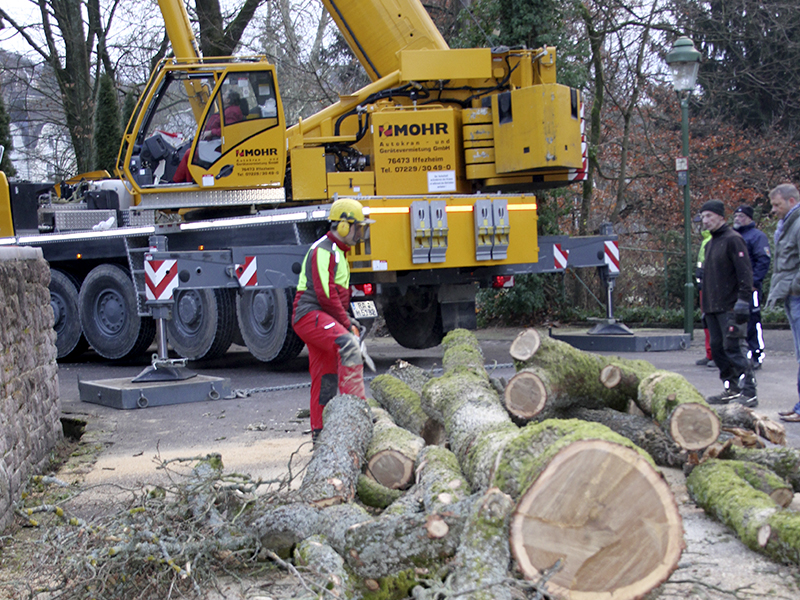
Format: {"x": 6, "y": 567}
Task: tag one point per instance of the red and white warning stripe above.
{"x": 612, "y": 256}
{"x": 580, "y": 174}
{"x": 161, "y": 277}
{"x": 560, "y": 257}
{"x": 247, "y": 274}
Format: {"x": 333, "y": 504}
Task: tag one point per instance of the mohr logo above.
{"x": 257, "y": 152}
{"x": 413, "y": 129}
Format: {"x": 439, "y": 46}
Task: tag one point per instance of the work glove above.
{"x": 741, "y": 310}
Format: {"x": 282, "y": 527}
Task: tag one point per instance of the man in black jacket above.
{"x": 727, "y": 288}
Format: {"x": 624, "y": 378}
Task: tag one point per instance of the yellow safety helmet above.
{"x": 347, "y": 211}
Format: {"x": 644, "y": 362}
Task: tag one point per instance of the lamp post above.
{"x": 684, "y": 62}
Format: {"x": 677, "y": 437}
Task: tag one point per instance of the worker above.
{"x": 321, "y": 306}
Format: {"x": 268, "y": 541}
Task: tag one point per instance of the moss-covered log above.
{"x": 476, "y": 423}
{"x": 413, "y": 376}
{"x": 462, "y": 351}
{"x": 392, "y": 452}
{"x": 441, "y": 482}
{"x": 373, "y": 494}
{"x": 403, "y": 403}
{"x": 679, "y": 408}
{"x": 334, "y": 469}
{"x": 483, "y": 557}
{"x": 718, "y": 487}
{"x": 642, "y": 431}
{"x": 596, "y": 507}
{"x": 568, "y": 376}
{"x": 784, "y": 462}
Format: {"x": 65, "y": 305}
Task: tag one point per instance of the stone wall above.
{"x": 29, "y": 403}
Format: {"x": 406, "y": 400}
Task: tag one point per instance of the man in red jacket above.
{"x": 321, "y": 311}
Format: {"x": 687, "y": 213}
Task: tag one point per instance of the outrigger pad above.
{"x": 126, "y": 394}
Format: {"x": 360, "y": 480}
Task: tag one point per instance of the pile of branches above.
{"x": 443, "y": 487}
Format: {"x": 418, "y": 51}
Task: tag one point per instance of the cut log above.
{"x": 392, "y": 452}
{"x": 784, "y": 462}
{"x": 603, "y": 517}
{"x": 679, "y": 408}
{"x": 483, "y": 557}
{"x": 403, "y": 403}
{"x": 758, "y": 521}
{"x": 642, "y": 431}
{"x": 333, "y": 472}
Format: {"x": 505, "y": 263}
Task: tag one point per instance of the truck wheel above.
{"x": 414, "y": 320}
{"x": 70, "y": 342}
{"x": 202, "y": 323}
{"x": 264, "y": 320}
{"x": 109, "y": 314}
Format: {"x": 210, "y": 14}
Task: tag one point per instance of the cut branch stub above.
{"x": 525, "y": 395}
{"x": 607, "y": 515}
{"x": 525, "y": 345}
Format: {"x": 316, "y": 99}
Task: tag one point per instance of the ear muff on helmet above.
{"x": 343, "y": 228}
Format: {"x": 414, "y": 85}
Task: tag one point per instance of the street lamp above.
{"x": 684, "y": 62}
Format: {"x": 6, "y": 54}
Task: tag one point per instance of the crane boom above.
{"x": 377, "y": 31}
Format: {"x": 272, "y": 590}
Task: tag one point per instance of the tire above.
{"x": 202, "y": 324}
{"x": 109, "y": 314}
{"x": 264, "y": 321}
{"x": 70, "y": 342}
{"x": 415, "y": 319}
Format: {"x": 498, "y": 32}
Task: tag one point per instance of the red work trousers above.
{"x": 334, "y": 361}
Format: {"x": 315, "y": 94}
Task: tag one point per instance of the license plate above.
{"x": 364, "y": 310}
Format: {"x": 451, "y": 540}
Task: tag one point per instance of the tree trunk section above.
{"x": 624, "y": 375}
{"x": 391, "y": 544}
{"x": 392, "y": 452}
{"x": 333, "y": 472}
{"x": 441, "y": 482}
{"x": 679, "y": 408}
{"x": 483, "y": 556}
{"x": 476, "y": 423}
{"x": 571, "y": 376}
{"x": 602, "y": 518}
{"x": 758, "y": 521}
{"x": 642, "y": 431}
{"x": 784, "y": 462}
{"x": 403, "y": 403}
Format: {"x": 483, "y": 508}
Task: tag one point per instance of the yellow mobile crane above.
{"x": 216, "y": 200}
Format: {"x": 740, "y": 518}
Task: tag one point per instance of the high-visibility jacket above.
{"x": 324, "y": 282}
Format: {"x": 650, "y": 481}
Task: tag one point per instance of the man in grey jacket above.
{"x": 785, "y": 284}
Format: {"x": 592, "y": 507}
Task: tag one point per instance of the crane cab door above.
{"x": 242, "y": 139}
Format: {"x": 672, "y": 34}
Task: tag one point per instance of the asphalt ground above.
{"x": 258, "y": 422}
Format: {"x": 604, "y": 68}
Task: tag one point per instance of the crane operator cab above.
{"x": 206, "y": 125}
